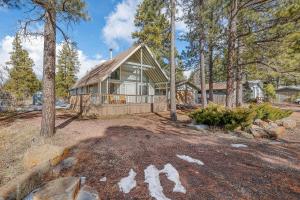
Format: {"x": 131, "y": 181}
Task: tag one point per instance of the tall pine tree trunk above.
{"x": 48, "y": 111}
{"x": 239, "y": 78}
{"x": 231, "y": 54}
{"x": 210, "y": 70}
{"x": 210, "y": 58}
{"x": 172, "y": 63}
{"x": 202, "y": 73}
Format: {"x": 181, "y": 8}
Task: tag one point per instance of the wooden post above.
{"x": 107, "y": 85}
{"x": 141, "y": 71}
{"x": 136, "y": 84}
{"x": 141, "y": 65}
{"x": 99, "y": 92}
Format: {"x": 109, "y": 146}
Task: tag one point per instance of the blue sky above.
{"x": 111, "y": 25}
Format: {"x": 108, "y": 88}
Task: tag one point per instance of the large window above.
{"x": 143, "y": 90}
{"x": 115, "y": 74}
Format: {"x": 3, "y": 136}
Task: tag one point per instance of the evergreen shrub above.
{"x": 230, "y": 119}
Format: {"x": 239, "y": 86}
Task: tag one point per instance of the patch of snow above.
{"x": 154, "y": 185}
{"x": 190, "y": 159}
{"x": 239, "y": 145}
{"x": 152, "y": 178}
{"x": 199, "y": 127}
{"x": 202, "y": 126}
{"x": 128, "y": 183}
{"x": 173, "y": 175}
{"x": 103, "y": 179}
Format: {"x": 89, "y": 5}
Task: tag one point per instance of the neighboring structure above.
{"x": 37, "y": 98}
{"x": 287, "y": 93}
{"x": 6, "y": 101}
{"x": 189, "y": 93}
{"x": 253, "y": 89}
{"x": 186, "y": 93}
{"x": 132, "y": 82}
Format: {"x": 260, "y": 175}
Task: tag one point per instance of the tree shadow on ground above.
{"x": 17, "y": 116}
{"x": 70, "y": 119}
{"x": 227, "y": 173}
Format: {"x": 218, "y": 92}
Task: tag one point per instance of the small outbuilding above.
{"x": 286, "y": 93}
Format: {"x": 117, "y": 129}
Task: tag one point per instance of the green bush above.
{"x": 270, "y": 92}
{"x": 230, "y": 119}
{"x": 266, "y": 111}
{"x": 212, "y": 115}
{"x": 215, "y": 115}
{"x": 238, "y": 117}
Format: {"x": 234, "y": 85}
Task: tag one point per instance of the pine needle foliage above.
{"x": 22, "y": 81}
{"x": 67, "y": 68}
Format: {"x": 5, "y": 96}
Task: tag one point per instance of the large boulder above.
{"x": 23, "y": 184}
{"x": 258, "y": 132}
{"x": 87, "y": 193}
{"x": 60, "y": 189}
{"x": 260, "y": 123}
{"x": 287, "y": 123}
{"x": 45, "y": 153}
{"x": 275, "y": 131}
{"x": 65, "y": 164}
{"x": 244, "y": 134}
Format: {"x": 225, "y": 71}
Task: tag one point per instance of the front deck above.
{"x": 112, "y": 104}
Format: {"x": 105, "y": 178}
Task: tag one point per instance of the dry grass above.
{"x": 14, "y": 140}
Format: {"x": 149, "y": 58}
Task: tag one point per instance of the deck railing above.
{"x": 97, "y": 99}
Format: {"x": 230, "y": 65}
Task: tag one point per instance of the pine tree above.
{"x": 173, "y": 114}
{"x": 22, "y": 81}
{"x": 195, "y": 18}
{"x": 52, "y": 12}
{"x": 153, "y": 29}
{"x": 67, "y": 67}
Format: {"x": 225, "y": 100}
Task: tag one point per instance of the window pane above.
{"x": 116, "y": 74}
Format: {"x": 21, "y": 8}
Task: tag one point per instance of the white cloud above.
{"x": 120, "y": 23}
{"x": 180, "y": 25}
{"x": 34, "y": 46}
{"x": 87, "y": 63}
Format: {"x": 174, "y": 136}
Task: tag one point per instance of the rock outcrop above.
{"x": 65, "y": 164}
{"x": 45, "y": 153}
{"x": 87, "y": 193}
{"x": 287, "y": 123}
{"x": 60, "y": 189}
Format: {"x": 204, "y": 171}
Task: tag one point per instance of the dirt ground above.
{"x": 111, "y": 147}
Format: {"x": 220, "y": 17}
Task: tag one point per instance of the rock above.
{"x": 87, "y": 193}
{"x": 244, "y": 134}
{"x": 275, "y": 132}
{"x": 272, "y": 125}
{"x": 287, "y": 123}
{"x": 23, "y": 184}
{"x": 65, "y": 164}
{"x": 260, "y": 123}
{"x": 268, "y": 120}
{"x": 258, "y": 132}
{"x": 46, "y": 153}
{"x": 60, "y": 189}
